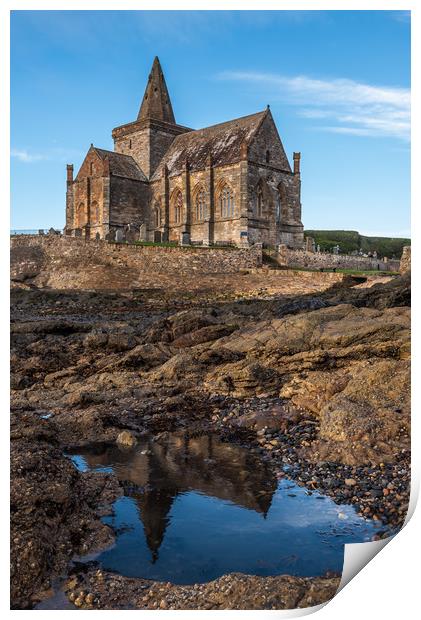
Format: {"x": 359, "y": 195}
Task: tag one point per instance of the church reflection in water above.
{"x": 154, "y": 473}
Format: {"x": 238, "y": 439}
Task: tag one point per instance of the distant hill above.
{"x": 350, "y": 241}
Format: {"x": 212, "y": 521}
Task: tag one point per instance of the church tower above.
{"x": 148, "y": 138}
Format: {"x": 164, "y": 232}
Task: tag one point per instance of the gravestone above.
{"x": 143, "y": 232}
{"x": 131, "y": 234}
{"x": 157, "y": 236}
{"x": 185, "y": 238}
{"x": 118, "y": 237}
{"x": 97, "y": 236}
{"x": 310, "y": 245}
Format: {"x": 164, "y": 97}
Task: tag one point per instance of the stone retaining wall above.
{"x": 405, "y": 264}
{"x": 32, "y": 254}
{"x": 321, "y": 260}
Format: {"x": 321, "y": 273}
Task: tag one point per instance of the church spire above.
{"x": 156, "y": 102}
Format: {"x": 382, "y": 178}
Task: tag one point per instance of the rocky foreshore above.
{"x": 314, "y": 381}
{"x": 99, "y": 589}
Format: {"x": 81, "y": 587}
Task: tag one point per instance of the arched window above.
{"x": 80, "y": 215}
{"x": 267, "y": 157}
{"x": 157, "y": 215}
{"x": 200, "y": 211}
{"x": 178, "y": 207}
{"x": 259, "y": 202}
{"x": 95, "y": 213}
{"x": 130, "y": 144}
{"x": 227, "y": 202}
{"x": 278, "y": 208}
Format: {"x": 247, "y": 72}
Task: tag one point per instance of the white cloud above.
{"x": 26, "y": 157}
{"x": 57, "y": 154}
{"x": 354, "y": 107}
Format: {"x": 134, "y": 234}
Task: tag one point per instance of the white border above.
{"x": 386, "y": 587}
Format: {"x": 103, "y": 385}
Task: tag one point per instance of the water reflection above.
{"x": 155, "y": 473}
{"x": 197, "y": 508}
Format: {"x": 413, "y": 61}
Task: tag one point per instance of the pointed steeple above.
{"x": 156, "y": 102}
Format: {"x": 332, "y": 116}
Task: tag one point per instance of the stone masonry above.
{"x": 405, "y": 264}
{"x": 30, "y": 254}
{"x": 228, "y": 184}
{"x": 287, "y": 257}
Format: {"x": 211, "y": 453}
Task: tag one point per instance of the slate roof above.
{"x": 223, "y": 141}
{"x": 122, "y": 165}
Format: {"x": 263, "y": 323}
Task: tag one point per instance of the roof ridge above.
{"x": 97, "y": 148}
{"x": 233, "y": 120}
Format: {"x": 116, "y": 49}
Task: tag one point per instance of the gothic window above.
{"x": 200, "y": 206}
{"x": 130, "y": 144}
{"x": 259, "y": 205}
{"x": 157, "y": 215}
{"x": 178, "y": 207}
{"x": 95, "y": 212}
{"x": 227, "y": 202}
{"x": 91, "y": 166}
{"x": 278, "y": 208}
{"x": 267, "y": 157}
{"x": 80, "y": 215}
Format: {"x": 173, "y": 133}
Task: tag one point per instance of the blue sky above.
{"x": 337, "y": 82}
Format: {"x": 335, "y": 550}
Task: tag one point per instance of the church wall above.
{"x": 223, "y": 230}
{"x": 135, "y": 144}
{"x": 263, "y": 228}
{"x": 88, "y": 199}
{"x": 146, "y": 141}
{"x": 129, "y": 200}
{"x": 227, "y": 230}
{"x": 160, "y": 143}
{"x": 280, "y": 220}
{"x": 199, "y": 228}
{"x": 265, "y": 141}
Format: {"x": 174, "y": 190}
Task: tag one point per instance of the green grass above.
{"x": 161, "y": 244}
{"x": 366, "y": 272}
{"x": 174, "y": 244}
{"x": 351, "y": 240}
{"x": 351, "y": 272}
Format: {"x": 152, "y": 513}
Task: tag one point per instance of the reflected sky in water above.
{"x": 195, "y": 509}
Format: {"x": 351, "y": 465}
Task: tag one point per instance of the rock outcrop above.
{"x": 318, "y": 378}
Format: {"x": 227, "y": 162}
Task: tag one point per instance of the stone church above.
{"x": 230, "y": 183}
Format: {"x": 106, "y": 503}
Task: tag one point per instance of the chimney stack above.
{"x": 297, "y": 157}
{"x": 70, "y": 173}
